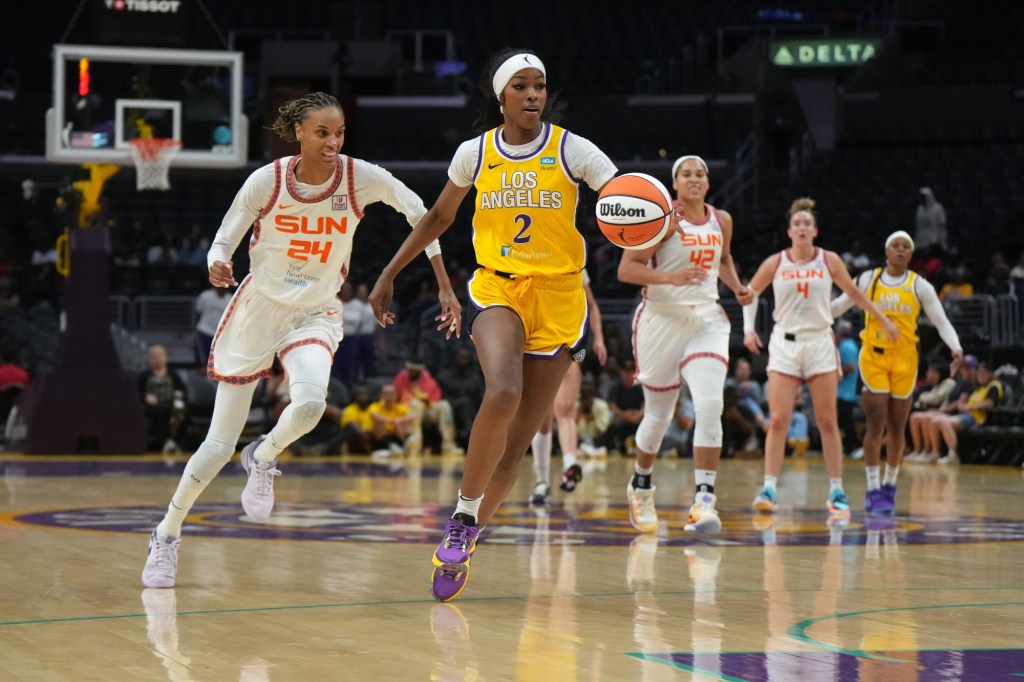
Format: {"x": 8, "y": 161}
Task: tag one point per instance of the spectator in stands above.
{"x": 11, "y": 373}
{"x": 210, "y": 306}
{"x": 626, "y": 401}
{"x": 958, "y": 288}
{"x": 357, "y": 426}
{"x": 970, "y": 411}
{"x": 926, "y": 449}
{"x": 9, "y": 298}
{"x": 739, "y": 427}
{"x": 935, "y": 389}
{"x": 353, "y": 313}
{"x": 748, "y": 392}
{"x": 163, "y": 398}
{"x": 366, "y": 337}
{"x": 462, "y": 384}
{"x": 997, "y": 281}
{"x": 394, "y": 425}
{"x": 420, "y": 391}
{"x": 930, "y": 222}
{"x": 193, "y": 248}
{"x": 593, "y": 416}
{"x": 846, "y": 393}
{"x": 856, "y": 260}
{"x": 798, "y": 435}
{"x": 163, "y": 251}
{"x": 286, "y": 307}
{"x": 1017, "y": 275}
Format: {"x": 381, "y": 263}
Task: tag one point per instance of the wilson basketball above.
{"x": 633, "y": 211}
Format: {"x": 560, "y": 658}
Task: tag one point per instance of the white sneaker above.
{"x": 703, "y": 517}
{"x": 912, "y": 456}
{"x": 162, "y": 563}
{"x": 951, "y": 457}
{"x": 928, "y": 457}
{"x": 540, "y": 493}
{"x": 258, "y": 494}
{"x": 642, "y": 514}
{"x": 857, "y": 454}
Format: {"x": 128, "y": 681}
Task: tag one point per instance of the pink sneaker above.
{"x": 258, "y": 495}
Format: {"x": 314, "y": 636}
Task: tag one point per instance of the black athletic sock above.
{"x": 465, "y": 518}
{"x": 642, "y": 480}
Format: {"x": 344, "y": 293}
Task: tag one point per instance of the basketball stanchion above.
{"x": 152, "y": 157}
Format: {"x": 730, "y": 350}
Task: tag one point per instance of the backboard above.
{"x": 103, "y": 97}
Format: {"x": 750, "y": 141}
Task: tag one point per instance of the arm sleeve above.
{"x": 244, "y": 210}
{"x": 750, "y": 315}
{"x": 932, "y": 307}
{"x": 374, "y": 184}
{"x": 840, "y": 304}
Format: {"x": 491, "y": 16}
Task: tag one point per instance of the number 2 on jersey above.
{"x": 701, "y": 258}
{"x": 520, "y": 238}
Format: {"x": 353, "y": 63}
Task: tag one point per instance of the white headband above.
{"x": 511, "y": 67}
{"x": 899, "y": 234}
{"x": 688, "y": 157}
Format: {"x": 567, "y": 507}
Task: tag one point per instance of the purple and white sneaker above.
{"x": 258, "y": 495}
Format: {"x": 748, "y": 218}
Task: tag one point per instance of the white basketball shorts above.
{"x": 255, "y": 328}
{"x": 803, "y": 355}
{"x": 667, "y": 336}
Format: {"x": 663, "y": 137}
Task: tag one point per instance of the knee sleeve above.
{"x": 210, "y": 458}
{"x": 306, "y": 415}
{"x": 659, "y": 409}
{"x": 707, "y": 431}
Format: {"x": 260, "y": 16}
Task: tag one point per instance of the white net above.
{"x": 152, "y": 157}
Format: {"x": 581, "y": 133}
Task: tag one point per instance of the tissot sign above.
{"x": 823, "y": 52}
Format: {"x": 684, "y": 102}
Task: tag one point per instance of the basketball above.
{"x": 634, "y": 211}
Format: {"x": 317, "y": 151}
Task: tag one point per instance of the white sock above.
{"x": 468, "y": 505}
{"x": 643, "y": 471}
{"x": 891, "y": 472}
{"x": 541, "y": 448}
{"x": 771, "y": 482}
{"x": 171, "y": 525}
{"x": 873, "y": 477}
{"x": 705, "y": 477}
{"x": 835, "y": 484}
{"x": 268, "y": 450}
{"x": 568, "y": 459}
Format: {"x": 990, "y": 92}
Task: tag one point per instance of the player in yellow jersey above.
{"x": 528, "y": 289}
{"x": 889, "y": 369}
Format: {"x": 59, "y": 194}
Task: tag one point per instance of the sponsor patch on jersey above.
{"x": 579, "y": 356}
{"x": 547, "y": 161}
{"x": 505, "y": 250}
{"x": 339, "y": 202}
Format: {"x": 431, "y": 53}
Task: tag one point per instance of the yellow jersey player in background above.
{"x": 528, "y": 289}
{"x": 889, "y": 369}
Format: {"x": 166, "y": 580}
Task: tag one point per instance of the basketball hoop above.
{"x": 152, "y": 157}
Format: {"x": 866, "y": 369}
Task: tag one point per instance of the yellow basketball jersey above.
{"x": 900, "y": 304}
{"x": 525, "y": 219}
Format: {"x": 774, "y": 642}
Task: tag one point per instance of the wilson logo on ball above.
{"x": 634, "y": 211}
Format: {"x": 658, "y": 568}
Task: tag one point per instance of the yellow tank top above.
{"x": 900, "y": 304}
{"x": 525, "y": 219}
{"x": 979, "y": 396}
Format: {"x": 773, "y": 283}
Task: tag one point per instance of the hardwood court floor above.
{"x": 335, "y": 586}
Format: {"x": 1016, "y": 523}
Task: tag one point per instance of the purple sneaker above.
{"x": 452, "y": 558}
{"x": 890, "y": 496}
{"x": 878, "y": 501}
{"x": 258, "y": 495}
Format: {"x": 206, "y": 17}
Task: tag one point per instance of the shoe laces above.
{"x": 457, "y": 536}
{"x": 644, "y": 501}
{"x": 768, "y": 493}
{"x": 265, "y": 478}
{"x": 838, "y": 500}
{"x": 164, "y": 556}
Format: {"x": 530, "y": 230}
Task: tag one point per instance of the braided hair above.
{"x": 294, "y": 112}
{"x": 490, "y": 113}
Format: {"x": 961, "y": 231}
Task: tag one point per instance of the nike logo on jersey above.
{"x": 492, "y": 166}
{"x": 283, "y": 207}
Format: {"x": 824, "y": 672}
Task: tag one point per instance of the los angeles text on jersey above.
{"x": 519, "y": 190}
{"x": 892, "y": 302}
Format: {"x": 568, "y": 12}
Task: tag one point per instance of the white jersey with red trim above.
{"x": 803, "y": 293}
{"x": 302, "y": 234}
{"x": 692, "y": 245}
